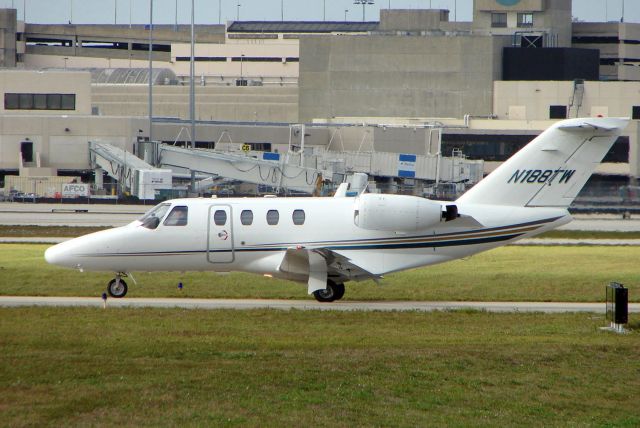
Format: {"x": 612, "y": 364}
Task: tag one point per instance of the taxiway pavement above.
{"x": 14, "y": 213}
{"x": 245, "y": 304}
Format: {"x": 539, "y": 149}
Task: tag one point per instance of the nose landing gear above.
{"x": 117, "y": 287}
{"x": 334, "y": 291}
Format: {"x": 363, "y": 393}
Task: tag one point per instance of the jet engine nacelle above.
{"x": 396, "y": 212}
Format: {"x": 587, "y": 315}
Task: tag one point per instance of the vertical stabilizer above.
{"x": 551, "y": 170}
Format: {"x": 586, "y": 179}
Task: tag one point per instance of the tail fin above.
{"x": 551, "y": 170}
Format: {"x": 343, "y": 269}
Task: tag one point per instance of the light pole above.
{"x": 345, "y": 14}
{"x": 150, "y": 70}
{"x": 238, "y": 14}
{"x": 281, "y": 10}
{"x": 324, "y": 10}
{"x": 115, "y": 12}
{"x": 192, "y": 87}
{"x": 130, "y": 19}
{"x": 219, "y": 11}
{"x": 175, "y": 26}
{"x": 364, "y": 3}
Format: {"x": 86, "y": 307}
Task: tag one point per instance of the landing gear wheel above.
{"x": 339, "y": 290}
{"x": 117, "y": 288}
{"x": 332, "y": 292}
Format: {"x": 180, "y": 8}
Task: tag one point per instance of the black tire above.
{"x": 339, "y": 290}
{"x": 117, "y": 291}
{"x": 332, "y": 292}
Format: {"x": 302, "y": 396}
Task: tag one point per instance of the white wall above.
{"x": 48, "y": 82}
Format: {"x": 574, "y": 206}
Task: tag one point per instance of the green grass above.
{"x": 589, "y": 234}
{"x": 519, "y": 273}
{"x": 171, "y": 367}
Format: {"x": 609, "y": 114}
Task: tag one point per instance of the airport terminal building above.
{"x": 368, "y": 92}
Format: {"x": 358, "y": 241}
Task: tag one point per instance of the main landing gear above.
{"x": 334, "y": 291}
{"x": 117, "y": 287}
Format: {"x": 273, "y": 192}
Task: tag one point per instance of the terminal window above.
{"x": 635, "y": 112}
{"x": 499, "y": 20}
{"x": 525, "y": 20}
{"x": 557, "y": 112}
{"x": 13, "y": 101}
{"x": 259, "y": 147}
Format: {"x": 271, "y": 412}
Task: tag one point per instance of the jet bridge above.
{"x": 297, "y": 169}
{"x": 272, "y": 170}
{"x": 133, "y": 174}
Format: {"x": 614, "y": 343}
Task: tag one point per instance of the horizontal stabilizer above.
{"x": 599, "y": 124}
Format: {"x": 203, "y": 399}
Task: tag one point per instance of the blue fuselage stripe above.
{"x": 379, "y": 246}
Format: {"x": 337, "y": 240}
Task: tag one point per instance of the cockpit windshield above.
{"x": 152, "y": 218}
{"x": 177, "y": 216}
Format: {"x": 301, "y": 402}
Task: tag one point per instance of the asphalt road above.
{"x": 69, "y": 214}
{"x": 244, "y": 304}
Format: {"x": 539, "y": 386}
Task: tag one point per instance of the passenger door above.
{"x": 220, "y": 247}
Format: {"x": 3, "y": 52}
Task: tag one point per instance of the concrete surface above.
{"x": 119, "y": 215}
{"x": 244, "y": 304}
{"x": 25, "y": 214}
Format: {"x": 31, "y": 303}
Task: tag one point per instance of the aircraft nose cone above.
{"x": 53, "y": 255}
{"x": 62, "y": 254}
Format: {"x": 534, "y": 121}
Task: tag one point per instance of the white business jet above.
{"x": 326, "y": 242}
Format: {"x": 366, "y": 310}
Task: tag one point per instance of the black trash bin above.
{"x": 617, "y": 303}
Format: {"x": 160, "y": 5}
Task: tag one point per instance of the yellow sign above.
{"x": 246, "y": 147}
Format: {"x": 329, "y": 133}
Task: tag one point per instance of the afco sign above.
{"x": 74, "y": 190}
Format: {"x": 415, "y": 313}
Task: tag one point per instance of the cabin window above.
{"x": 298, "y": 217}
{"x": 273, "y": 217}
{"x": 220, "y": 217}
{"x": 177, "y": 216}
{"x": 151, "y": 219}
{"x": 246, "y": 217}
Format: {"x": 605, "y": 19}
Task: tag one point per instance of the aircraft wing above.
{"x": 344, "y": 268}
{"x": 318, "y": 264}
